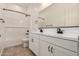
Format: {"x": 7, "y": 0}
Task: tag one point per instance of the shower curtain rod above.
{"x": 16, "y": 11}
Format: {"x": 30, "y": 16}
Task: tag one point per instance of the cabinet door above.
{"x": 58, "y": 51}
{"x": 31, "y": 44}
{"x": 34, "y": 45}
{"x": 44, "y": 48}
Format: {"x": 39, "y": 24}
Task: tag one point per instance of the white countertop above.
{"x": 72, "y": 37}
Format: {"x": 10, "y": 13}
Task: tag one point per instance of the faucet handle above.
{"x": 59, "y": 31}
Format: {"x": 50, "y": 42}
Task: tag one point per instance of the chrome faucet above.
{"x": 59, "y": 31}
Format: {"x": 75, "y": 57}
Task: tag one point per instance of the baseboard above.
{"x": 32, "y": 52}
{"x": 13, "y": 45}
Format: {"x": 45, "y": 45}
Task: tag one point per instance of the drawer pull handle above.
{"x": 49, "y": 48}
{"x": 0, "y": 35}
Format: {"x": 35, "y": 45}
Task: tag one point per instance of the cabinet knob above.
{"x": 0, "y": 35}
{"x": 49, "y": 48}
{"x": 32, "y": 40}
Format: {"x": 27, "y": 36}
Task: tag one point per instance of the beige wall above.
{"x": 61, "y": 14}
{"x": 32, "y": 25}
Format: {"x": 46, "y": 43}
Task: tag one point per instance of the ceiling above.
{"x": 39, "y": 6}
{"x": 28, "y": 4}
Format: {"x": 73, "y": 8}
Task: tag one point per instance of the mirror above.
{"x": 60, "y": 14}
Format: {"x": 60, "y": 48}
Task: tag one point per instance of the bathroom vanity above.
{"x": 48, "y": 44}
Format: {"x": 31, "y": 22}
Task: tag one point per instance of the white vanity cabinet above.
{"x": 57, "y": 47}
{"x": 44, "y": 45}
{"x": 47, "y": 49}
{"x": 34, "y": 43}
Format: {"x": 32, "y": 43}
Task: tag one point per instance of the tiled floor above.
{"x": 17, "y": 51}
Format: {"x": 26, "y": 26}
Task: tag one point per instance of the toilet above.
{"x": 25, "y": 43}
{"x": 26, "y": 40}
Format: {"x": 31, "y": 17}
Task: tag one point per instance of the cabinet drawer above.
{"x": 71, "y": 45}
{"x": 34, "y": 35}
{"x": 34, "y": 45}
{"x": 46, "y": 38}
